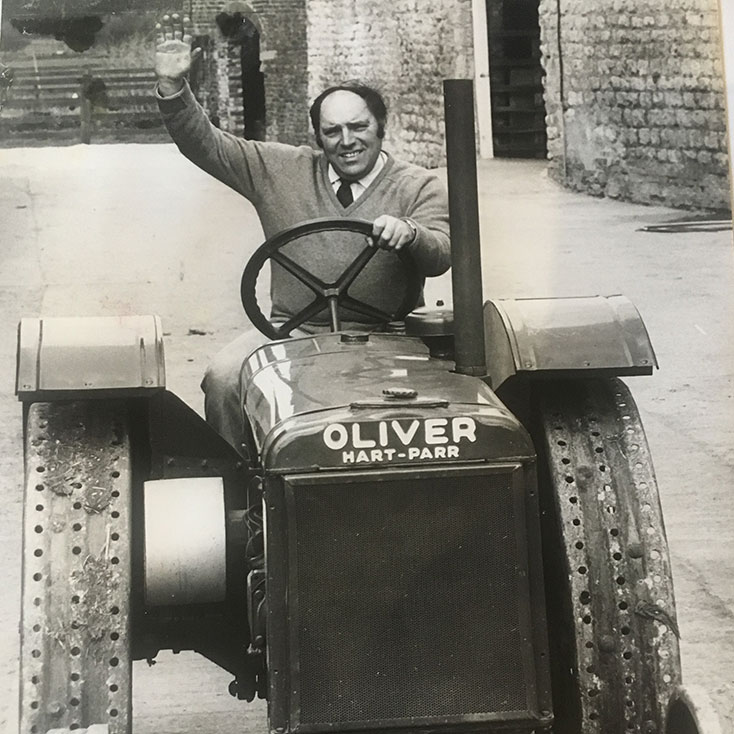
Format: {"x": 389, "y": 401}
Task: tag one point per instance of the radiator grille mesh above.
{"x": 408, "y": 599}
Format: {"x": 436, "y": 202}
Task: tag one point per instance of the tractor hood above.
{"x": 346, "y": 400}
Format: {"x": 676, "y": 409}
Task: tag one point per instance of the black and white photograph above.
{"x": 366, "y": 367}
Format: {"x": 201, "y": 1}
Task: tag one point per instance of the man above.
{"x": 350, "y": 176}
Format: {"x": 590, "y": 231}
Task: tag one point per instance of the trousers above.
{"x": 223, "y": 408}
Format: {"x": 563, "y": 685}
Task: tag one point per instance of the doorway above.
{"x": 516, "y": 79}
{"x": 244, "y": 39}
{"x": 253, "y": 82}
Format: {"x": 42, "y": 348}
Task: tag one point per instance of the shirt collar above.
{"x": 368, "y": 178}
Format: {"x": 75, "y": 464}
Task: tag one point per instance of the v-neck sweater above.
{"x": 290, "y": 184}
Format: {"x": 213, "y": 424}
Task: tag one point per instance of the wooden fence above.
{"x": 53, "y": 101}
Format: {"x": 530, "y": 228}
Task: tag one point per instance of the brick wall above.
{"x": 635, "y": 100}
{"x": 405, "y": 48}
{"x": 282, "y": 25}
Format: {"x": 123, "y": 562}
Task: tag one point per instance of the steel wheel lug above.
{"x": 55, "y": 709}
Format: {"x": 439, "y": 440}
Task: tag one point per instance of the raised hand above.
{"x": 173, "y": 54}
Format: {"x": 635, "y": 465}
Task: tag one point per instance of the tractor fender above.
{"x": 585, "y": 336}
{"x": 67, "y": 358}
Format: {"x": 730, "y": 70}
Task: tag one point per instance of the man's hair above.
{"x": 373, "y": 99}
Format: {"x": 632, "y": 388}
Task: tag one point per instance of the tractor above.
{"x": 449, "y": 525}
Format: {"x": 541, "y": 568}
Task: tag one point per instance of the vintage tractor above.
{"x": 453, "y": 526}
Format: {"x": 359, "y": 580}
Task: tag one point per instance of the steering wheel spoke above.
{"x": 316, "y": 306}
{"x": 355, "y": 268}
{"x": 364, "y": 309}
{"x": 331, "y": 296}
{"x": 299, "y": 272}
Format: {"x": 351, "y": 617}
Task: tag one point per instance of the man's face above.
{"x": 349, "y": 135}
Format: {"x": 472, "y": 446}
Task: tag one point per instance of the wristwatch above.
{"x": 414, "y": 228}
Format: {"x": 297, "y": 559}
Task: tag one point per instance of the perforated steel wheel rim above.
{"x": 609, "y": 586}
{"x": 75, "y": 648}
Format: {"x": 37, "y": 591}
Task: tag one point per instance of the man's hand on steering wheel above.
{"x": 391, "y": 233}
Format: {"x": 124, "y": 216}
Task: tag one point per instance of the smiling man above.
{"x": 349, "y": 175}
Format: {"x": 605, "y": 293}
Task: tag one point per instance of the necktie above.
{"x": 344, "y": 193}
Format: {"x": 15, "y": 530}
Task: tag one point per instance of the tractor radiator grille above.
{"x": 408, "y": 599}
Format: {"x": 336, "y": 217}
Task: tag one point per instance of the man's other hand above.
{"x": 173, "y": 54}
{"x": 391, "y": 233}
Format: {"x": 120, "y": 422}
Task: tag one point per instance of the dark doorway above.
{"x": 518, "y": 111}
{"x": 253, "y": 83}
{"x": 242, "y": 32}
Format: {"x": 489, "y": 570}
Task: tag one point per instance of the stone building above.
{"x": 405, "y": 48}
{"x": 625, "y": 100}
{"x": 635, "y": 99}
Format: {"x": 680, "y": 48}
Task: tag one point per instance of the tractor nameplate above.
{"x": 386, "y": 441}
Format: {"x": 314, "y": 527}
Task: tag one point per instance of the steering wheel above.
{"x": 327, "y": 295}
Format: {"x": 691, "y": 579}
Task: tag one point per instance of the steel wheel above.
{"x": 614, "y": 638}
{"x": 75, "y": 647}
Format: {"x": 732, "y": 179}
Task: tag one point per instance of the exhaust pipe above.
{"x": 466, "y": 264}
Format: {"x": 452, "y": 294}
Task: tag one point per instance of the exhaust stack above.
{"x": 466, "y": 265}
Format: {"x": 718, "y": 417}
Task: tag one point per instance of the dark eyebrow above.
{"x": 351, "y": 125}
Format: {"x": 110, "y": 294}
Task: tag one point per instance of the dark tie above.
{"x": 344, "y": 193}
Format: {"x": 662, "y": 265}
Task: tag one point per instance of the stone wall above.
{"x": 635, "y": 101}
{"x": 405, "y": 48}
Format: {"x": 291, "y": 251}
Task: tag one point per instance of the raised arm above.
{"x": 243, "y": 165}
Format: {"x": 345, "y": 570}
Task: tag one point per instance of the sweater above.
{"x": 288, "y": 185}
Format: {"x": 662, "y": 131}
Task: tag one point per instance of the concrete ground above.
{"x": 136, "y": 229}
